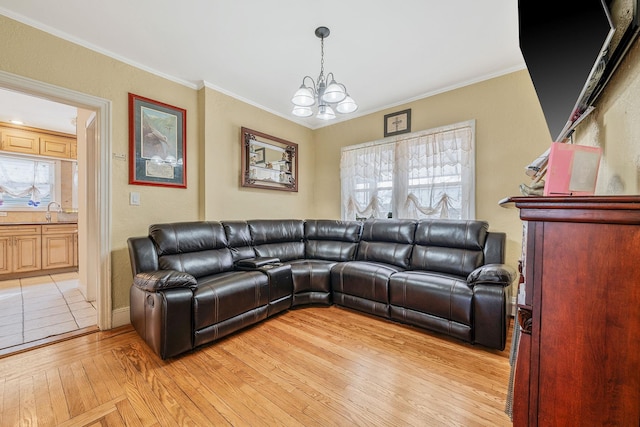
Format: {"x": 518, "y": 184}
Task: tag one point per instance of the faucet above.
{"x": 47, "y": 216}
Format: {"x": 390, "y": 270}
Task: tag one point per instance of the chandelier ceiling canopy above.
{"x": 327, "y": 96}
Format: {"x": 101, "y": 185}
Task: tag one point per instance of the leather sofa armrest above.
{"x": 490, "y": 315}
{"x": 153, "y": 281}
{"x": 492, "y": 274}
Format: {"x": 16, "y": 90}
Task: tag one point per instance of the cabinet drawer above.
{"x": 59, "y": 228}
{"x": 12, "y": 230}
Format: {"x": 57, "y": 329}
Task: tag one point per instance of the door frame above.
{"x": 98, "y": 184}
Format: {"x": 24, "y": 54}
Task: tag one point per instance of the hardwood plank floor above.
{"x": 314, "y": 366}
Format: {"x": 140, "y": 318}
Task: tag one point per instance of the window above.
{"x": 27, "y": 183}
{"x": 367, "y": 181}
{"x": 428, "y": 174}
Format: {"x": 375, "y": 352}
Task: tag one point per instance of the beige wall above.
{"x": 31, "y": 53}
{"x": 615, "y": 126}
{"x": 213, "y": 190}
{"x": 510, "y": 133}
{"x": 224, "y": 198}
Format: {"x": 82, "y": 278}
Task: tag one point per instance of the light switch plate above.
{"x": 134, "y": 198}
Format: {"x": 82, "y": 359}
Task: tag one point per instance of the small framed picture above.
{"x": 157, "y": 143}
{"x": 259, "y": 155}
{"x": 397, "y": 123}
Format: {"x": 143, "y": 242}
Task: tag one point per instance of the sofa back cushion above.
{"x": 239, "y": 240}
{"x": 389, "y": 241}
{"x": 331, "y": 240}
{"x": 198, "y": 248}
{"x": 449, "y": 246}
{"x": 494, "y": 248}
{"x": 279, "y": 238}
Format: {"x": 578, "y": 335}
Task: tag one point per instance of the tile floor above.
{"x": 34, "y": 308}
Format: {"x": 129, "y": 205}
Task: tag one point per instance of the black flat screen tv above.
{"x": 564, "y": 44}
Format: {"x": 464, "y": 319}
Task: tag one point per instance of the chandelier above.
{"x": 327, "y": 96}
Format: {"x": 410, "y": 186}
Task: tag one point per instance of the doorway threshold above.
{"x": 21, "y": 348}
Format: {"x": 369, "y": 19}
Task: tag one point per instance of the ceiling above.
{"x": 386, "y": 53}
{"x": 37, "y": 112}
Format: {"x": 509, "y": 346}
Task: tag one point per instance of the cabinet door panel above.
{"x": 585, "y": 315}
{"x": 57, "y": 251}
{"x": 581, "y": 365}
{"x": 55, "y": 146}
{"x": 75, "y": 249}
{"x": 26, "y": 253}
{"x": 5, "y": 254}
{"x": 19, "y": 141}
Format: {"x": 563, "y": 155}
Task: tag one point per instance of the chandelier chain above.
{"x": 321, "y": 60}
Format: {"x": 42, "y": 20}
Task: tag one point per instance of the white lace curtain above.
{"x": 428, "y": 174}
{"x": 22, "y": 178}
{"x": 366, "y": 177}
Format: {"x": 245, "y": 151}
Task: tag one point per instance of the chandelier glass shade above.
{"x": 326, "y": 96}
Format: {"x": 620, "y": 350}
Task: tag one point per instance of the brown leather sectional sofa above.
{"x": 195, "y": 282}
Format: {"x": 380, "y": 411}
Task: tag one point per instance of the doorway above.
{"x": 94, "y": 229}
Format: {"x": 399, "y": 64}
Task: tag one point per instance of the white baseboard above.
{"x": 514, "y": 306}
{"x": 120, "y": 317}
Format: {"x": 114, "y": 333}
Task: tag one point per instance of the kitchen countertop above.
{"x": 38, "y": 223}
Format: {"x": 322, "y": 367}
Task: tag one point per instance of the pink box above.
{"x": 572, "y": 170}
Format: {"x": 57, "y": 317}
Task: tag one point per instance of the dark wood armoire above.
{"x": 578, "y": 358}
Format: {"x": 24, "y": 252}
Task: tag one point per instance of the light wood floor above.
{"x": 314, "y": 366}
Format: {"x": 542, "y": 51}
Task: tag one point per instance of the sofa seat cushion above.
{"x": 369, "y": 280}
{"x": 441, "y": 295}
{"x": 223, "y": 296}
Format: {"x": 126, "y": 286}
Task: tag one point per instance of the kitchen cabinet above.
{"x": 26, "y": 140}
{"x": 26, "y": 250}
{"x": 19, "y": 141}
{"x": 75, "y": 249}
{"x": 20, "y": 248}
{"x": 59, "y": 246}
{"x": 73, "y": 150}
{"x": 56, "y": 146}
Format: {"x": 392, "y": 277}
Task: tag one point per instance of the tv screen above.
{"x": 563, "y": 44}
